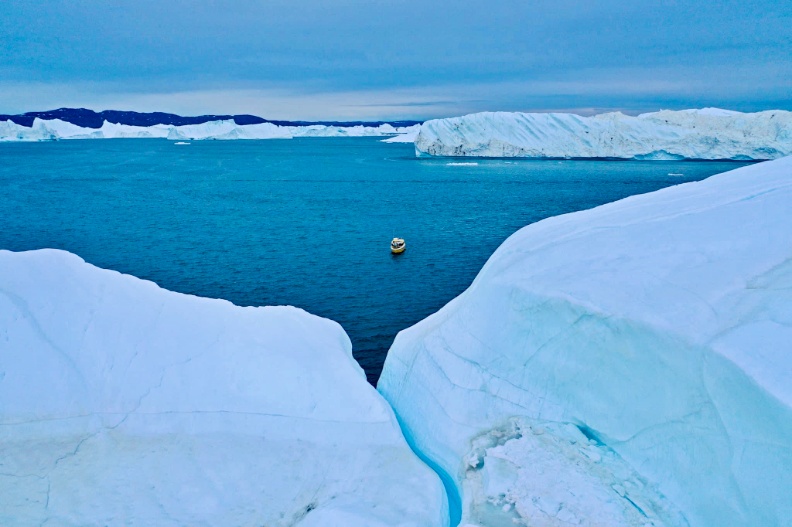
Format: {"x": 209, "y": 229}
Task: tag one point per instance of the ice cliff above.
{"x": 709, "y": 133}
{"x": 629, "y": 365}
{"x": 54, "y": 129}
{"x": 125, "y": 404}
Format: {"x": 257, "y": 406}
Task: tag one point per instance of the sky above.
{"x": 396, "y": 59}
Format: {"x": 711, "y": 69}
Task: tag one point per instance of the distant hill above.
{"x": 91, "y": 119}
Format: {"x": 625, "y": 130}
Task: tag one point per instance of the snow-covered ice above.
{"x": 626, "y": 365}
{"x": 54, "y": 129}
{"x": 125, "y": 404}
{"x": 709, "y": 133}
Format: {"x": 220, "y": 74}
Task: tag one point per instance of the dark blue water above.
{"x": 305, "y": 222}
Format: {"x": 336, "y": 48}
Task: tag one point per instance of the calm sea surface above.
{"x": 305, "y": 222}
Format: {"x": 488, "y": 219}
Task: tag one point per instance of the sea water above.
{"x": 303, "y": 222}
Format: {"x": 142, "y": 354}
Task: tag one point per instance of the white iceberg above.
{"x": 123, "y": 131}
{"x": 709, "y": 133}
{"x": 125, "y": 404}
{"x": 45, "y": 130}
{"x": 343, "y": 131}
{"x": 628, "y": 365}
{"x": 228, "y": 130}
{"x": 55, "y": 129}
{"x": 406, "y": 135}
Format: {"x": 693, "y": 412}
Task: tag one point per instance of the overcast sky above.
{"x": 370, "y": 59}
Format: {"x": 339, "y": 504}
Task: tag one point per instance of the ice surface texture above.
{"x": 709, "y": 133}
{"x": 125, "y": 404}
{"x": 626, "y": 365}
{"x": 54, "y": 129}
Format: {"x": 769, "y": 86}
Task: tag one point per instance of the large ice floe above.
{"x": 629, "y": 365}
{"x": 55, "y": 129}
{"x": 709, "y": 133}
{"x": 125, "y": 404}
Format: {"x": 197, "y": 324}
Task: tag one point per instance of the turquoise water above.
{"x": 305, "y": 222}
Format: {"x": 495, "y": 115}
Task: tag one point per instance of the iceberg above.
{"x": 227, "y": 129}
{"x": 344, "y": 131}
{"x": 406, "y": 135}
{"x": 125, "y": 404}
{"x": 708, "y": 133}
{"x": 628, "y": 365}
{"x": 42, "y": 130}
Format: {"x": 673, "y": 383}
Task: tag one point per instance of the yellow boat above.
{"x": 398, "y": 246}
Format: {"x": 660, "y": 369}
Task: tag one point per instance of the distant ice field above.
{"x": 305, "y": 222}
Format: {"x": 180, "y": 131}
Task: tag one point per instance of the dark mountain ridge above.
{"x": 91, "y": 119}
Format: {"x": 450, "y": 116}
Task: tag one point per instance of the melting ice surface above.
{"x": 304, "y": 222}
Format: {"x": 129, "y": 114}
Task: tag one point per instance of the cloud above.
{"x": 312, "y": 59}
{"x": 630, "y": 90}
